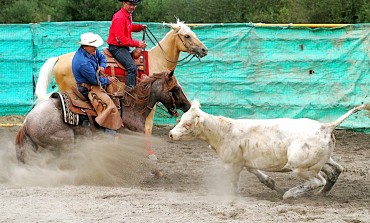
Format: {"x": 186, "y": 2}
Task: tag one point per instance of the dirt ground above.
{"x": 109, "y": 180}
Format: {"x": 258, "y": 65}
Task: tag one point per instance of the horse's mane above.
{"x": 139, "y": 96}
{"x": 184, "y": 29}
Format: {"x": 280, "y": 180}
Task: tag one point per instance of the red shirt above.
{"x": 121, "y": 28}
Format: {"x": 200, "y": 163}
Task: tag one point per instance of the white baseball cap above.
{"x": 91, "y": 39}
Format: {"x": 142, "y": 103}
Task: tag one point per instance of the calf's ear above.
{"x": 195, "y": 103}
{"x": 199, "y": 120}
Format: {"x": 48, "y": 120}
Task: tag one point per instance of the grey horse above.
{"x": 44, "y": 125}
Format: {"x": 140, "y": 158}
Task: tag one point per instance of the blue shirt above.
{"x": 84, "y": 67}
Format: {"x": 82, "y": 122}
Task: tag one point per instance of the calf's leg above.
{"x": 265, "y": 179}
{"x": 314, "y": 180}
{"x": 332, "y": 171}
{"x": 233, "y": 171}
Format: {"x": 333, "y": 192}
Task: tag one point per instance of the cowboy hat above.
{"x": 135, "y": 2}
{"x": 91, "y": 39}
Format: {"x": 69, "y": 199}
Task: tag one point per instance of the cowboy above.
{"x": 120, "y": 39}
{"x": 87, "y": 65}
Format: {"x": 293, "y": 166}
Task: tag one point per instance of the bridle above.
{"x": 172, "y": 111}
{"x": 147, "y": 32}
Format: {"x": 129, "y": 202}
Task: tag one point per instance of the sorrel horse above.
{"x": 44, "y": 126}
{"x": 163, "y": 56}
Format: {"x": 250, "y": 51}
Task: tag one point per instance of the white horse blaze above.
{"x": 303, "y": 146}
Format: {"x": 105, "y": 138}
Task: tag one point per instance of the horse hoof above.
{"x": 157, "y": 173}
{"x": 153, "y": 157}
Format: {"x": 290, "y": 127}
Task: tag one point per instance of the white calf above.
{"x": 303, "y": 146}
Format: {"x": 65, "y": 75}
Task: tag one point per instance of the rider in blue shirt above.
{"x": 87, "y": 61}
{"x": 87, "y": 65}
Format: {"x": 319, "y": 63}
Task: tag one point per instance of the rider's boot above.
{"x": 110, "y": 132}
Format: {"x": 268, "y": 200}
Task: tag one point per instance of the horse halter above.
{"x": 183, "y": 42}
{"x": 173, "y": 110}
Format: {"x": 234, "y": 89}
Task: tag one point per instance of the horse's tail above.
{"x": 44, "y": 79}
{"x": 20, "y": 140}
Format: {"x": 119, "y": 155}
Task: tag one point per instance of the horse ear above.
{"x": 175, "y": 27}
{"x": 171, "y": 73}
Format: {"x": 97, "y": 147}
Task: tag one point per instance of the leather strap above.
{"x": 91, "y": 121}
{"x": 112, "y": 71}
{"x": 79, "y": 95}
{"x": 85, "y": 85}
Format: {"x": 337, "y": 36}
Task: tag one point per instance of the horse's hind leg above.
{"x": 314, "y": 180}
{"x": 22, "y": 142}
{"x": 21, "y": 152}
{"x": 332, "y": 171}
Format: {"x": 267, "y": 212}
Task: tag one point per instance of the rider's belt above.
{"x": 85, "y": 85}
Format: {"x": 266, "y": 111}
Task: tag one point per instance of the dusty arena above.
{"x": 110, "y": 180}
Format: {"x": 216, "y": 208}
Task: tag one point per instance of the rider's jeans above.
{"x": 122, "y": 54}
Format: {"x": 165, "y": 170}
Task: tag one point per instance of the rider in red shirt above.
{"x": 120, "y": 39}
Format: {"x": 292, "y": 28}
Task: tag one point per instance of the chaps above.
{"x": 108, "y": 114}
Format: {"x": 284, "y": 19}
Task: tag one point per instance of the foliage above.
{"x": 191, "y": 11}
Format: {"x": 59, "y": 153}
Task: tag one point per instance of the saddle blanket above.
{"x": 68, "y": 116}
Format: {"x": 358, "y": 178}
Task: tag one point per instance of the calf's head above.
{"x": 190, "y": 124}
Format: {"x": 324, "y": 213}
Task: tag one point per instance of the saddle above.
{"x": 72, "y": 106}
{"x": 116, "y": 69}
{"x": 100, "y": 107}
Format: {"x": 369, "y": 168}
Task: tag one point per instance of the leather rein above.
{"x": 171, "y": 111}
{"x": 147, "y": 32}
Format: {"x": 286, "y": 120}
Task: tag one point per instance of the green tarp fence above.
{"x": 250, "y": 72}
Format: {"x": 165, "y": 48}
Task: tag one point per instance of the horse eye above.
{"x": 187, "y": 36}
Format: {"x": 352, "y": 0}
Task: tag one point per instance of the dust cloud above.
{"x": 102, "y": 161}
{"x": 70, "y": 186}
{"x": 218, "y": 181}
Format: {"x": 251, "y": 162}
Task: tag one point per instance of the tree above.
{"x": 87, "y": 10}
{"x": 191, "y": 11}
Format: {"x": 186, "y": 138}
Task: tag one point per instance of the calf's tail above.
{"x": 337, "y": 122}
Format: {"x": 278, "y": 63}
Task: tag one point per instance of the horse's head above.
{"x": 188, "y": 40}
{"x": 172, "y": 96}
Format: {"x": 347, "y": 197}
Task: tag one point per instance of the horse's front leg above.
{"x": 149, "y": 122}
{"x": 148, "y": 132}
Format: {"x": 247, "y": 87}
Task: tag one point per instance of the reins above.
{"x": 133, "y": 97}
{"x": 147, "y": 31}
{"x": 166, "y": 115}
{"x": 127, "y": 93}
